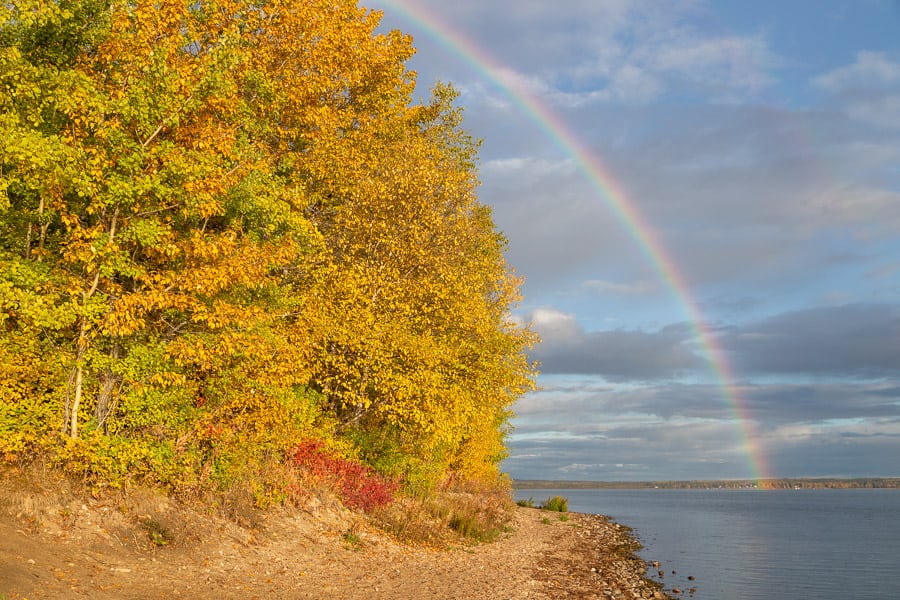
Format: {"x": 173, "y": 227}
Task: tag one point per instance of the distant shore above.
{"x": 791, "y": 483}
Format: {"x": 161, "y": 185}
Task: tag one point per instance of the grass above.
{"x": 158, "y": 533}
{"x": 554, "y": 503}
{"x": 352, "y": 540}
{"x": 445, "y": 517}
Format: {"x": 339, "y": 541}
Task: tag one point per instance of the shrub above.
{"x": 526, "y": 503}
{"x": 357, "y": 485}
{"x": 557, "y": 504}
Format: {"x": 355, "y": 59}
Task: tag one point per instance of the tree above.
{"x": 225, "y": 224}
{"x": 413, "y": 334}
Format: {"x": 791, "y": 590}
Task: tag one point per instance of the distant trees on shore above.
{"x": 807, "y": 483}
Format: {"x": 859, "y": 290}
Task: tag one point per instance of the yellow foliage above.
{"x": 253, "y": 236}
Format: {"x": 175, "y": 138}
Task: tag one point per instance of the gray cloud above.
{"x": 631, "y": 452}
{"x": 770, "y": 405}
{"x": 618, "y": 355}
{"x": 749, "y": 182}
{"x": 578, "y": 429}
{"x": 855, "y": 340}
{"x": 858, "y": 340}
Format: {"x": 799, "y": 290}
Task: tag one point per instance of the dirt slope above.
{"x": 157, "y": 549}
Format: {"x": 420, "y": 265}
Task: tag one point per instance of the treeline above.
{"x": 226, "y": 229}
{"x": 772, "y": 484}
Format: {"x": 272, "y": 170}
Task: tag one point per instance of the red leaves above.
{"x": 358, "y": 486}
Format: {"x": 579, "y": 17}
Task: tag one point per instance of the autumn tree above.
{"x": 414, "y": 337}
{"x": 224, "y": 225}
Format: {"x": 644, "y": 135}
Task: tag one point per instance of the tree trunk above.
{"x": 73, "y": 422}
{"x": 108, "y": 382}
{"x": 82, "y": 344}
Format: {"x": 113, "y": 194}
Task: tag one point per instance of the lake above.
{"x": 760, "y": 544}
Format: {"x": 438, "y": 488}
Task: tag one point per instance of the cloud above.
{"x": 554, "y": 220}
{"x": 870, "y": 210}
{"x": 528, "y": 170}
{"x": 618, "y": 355}
{"x": 634, "y": 65}
{"x": 856, "y": 340}
{"x": 884, "y": 110}
{"x": 869, "y": 89}
{"x": 721, "y": 65}
{"x": 614, "y": 51}
{"x": 871, "y": 71}
{"x": 849, "y": 341}
{"x": 633, "y": 288}
{"x": 672, "y": 430}
{"x": 575, "y": 405}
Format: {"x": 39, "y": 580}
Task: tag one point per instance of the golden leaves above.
{"x": 243, "y": 202}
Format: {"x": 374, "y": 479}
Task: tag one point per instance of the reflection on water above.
{"x": 753, "y": 544}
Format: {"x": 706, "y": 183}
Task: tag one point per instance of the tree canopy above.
{"x": 226, "y": 228}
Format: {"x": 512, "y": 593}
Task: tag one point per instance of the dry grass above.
{"x": 147, "y": 518}
{"x": 449, "y": 516}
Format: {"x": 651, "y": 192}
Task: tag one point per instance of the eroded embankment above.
{"x": 155, "y": 548}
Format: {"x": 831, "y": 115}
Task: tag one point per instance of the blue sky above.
{"x": 761, "y": 142}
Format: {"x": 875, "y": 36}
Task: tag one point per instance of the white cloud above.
{"x": 869, "y": 88}
{"x": 555, "y": 326}
{"x": 628, "y": 51}
{"x": 730, "y": 64}
{"x": 653, "y": 63}
{"x": 632, "y": 83}
{"x": 530, "y": 168}
{"x": 872, "y": 70}
{"x": 884, "y": 111}
{"x": 634, "y": 288}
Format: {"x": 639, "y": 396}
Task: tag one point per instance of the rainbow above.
{"x": 616, "y": 200}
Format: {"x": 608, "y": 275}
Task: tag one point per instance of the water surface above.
{"x": 760, "y": 544}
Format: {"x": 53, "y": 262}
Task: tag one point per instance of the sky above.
{"x": 703, "y": 198}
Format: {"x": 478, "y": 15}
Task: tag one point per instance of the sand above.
{"x": 90, "y": 549}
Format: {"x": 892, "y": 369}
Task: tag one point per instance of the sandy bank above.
{"x": 88, "y": 550}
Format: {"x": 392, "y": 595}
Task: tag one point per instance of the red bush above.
{"x": 358, "y": 486}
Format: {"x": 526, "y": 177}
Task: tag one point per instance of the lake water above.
{"x": 760, "y": 544}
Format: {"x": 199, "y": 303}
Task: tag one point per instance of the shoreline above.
{"x": 603, "y": 563}
{"x": 90, "y": 549}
